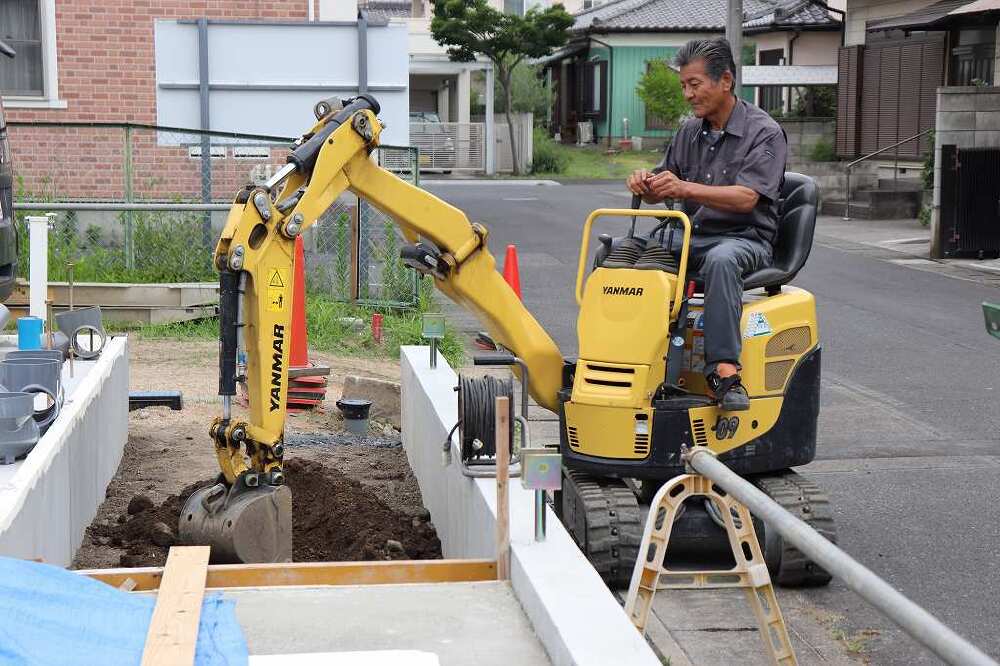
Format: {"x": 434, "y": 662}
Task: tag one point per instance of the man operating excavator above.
{"x": 726, "y": 165}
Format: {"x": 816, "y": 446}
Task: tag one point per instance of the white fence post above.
{"x": 38, "y": 237}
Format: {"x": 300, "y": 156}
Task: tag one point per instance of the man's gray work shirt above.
{"x": 750, "y": 151}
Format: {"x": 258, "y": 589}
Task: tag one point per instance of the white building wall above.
{"x": 338, "y": 10}
{"x": 859, "y": 12}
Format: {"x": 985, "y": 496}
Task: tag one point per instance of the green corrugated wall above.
{"x": 629, "y": 66}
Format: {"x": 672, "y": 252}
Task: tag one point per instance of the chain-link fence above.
{"x": 352, "y": 251}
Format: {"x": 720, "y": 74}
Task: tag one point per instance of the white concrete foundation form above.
{"x": 49, "y": 498}
{"x": 571, "y": 610}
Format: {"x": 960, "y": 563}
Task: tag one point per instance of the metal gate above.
{"x": 970, "y": 202}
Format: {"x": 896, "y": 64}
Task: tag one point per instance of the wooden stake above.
{"x": 173, "y": 630}
{"x": 48, "y": 322}
{"x": 503, "y": 476}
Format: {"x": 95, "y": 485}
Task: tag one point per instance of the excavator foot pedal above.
{"x": 242, "y": 524}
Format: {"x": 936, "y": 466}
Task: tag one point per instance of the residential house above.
{"x": 897, "y": 54}
{"x": 111, "y": 61}
{"x": 596, "y": 75}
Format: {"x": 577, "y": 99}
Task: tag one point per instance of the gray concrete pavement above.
{"x": 909, "y": 420}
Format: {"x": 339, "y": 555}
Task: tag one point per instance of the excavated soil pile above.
{"x": 335, "y": 518}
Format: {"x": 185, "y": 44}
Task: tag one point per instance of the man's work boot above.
{"x": 729, "y": 392}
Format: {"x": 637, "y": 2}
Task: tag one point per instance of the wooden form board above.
{"x": 313, "y": 573}
{"x": 173, "y": 630}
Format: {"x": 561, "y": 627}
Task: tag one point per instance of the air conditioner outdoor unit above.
{"x": 584, "y": 133}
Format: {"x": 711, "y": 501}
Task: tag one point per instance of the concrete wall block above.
{"x": 962, "y": 139}
{"x": 571, "y": 610}
{"x": 990, "y": 139}
{"x": 956, "y": 102}
{"x": 988, "y": 101}
{"x": 987, "y": 121}
{"x": 956, "y": 120}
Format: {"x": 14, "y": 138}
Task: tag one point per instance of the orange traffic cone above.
{"x": 510, "y": 271}
{"x": 306, "y": 385}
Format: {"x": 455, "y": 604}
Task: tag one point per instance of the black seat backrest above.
{"x": 796, "y": 226}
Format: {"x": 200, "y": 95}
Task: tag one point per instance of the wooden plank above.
{"x": 173, "y": 630}
{"x": 503, "y": 485}
{"x": 315, "y": 573}
{"x": 174, "y": 295}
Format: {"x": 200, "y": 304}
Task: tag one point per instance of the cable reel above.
{"x": 477, "y": 414}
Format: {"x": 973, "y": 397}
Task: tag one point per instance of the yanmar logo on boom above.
{"x": 276, "y": 360}
{"x": 623, "y": 291}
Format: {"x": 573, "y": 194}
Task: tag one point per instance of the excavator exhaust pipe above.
{"x": 241, "y": 524}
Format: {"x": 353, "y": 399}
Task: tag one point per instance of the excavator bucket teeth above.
{"x": 242, "y": 525}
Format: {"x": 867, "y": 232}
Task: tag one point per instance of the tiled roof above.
{"x": 703, "y": 15}
{"x": 386, "y": 9}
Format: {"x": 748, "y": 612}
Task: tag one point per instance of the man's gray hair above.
{"x": 716, "y": 53}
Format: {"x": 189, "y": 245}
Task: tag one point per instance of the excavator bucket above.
{"x": 242, "y": 525}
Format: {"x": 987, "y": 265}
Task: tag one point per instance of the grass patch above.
{"x": 335, "y": 327}
{"x": 591, "y": 162}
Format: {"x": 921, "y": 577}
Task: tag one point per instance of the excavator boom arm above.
{"x": 255, "y": 258}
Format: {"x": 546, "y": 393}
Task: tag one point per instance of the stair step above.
{"x": 866, "y": 210}
{"x": 835, "y": 207}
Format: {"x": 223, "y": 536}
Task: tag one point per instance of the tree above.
{"x": 660, "y": 90}
{"x": 529, "y": 93}
{"x": 472, "y": 27}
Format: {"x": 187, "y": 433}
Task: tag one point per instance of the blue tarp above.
{"x": 52, "y": 616}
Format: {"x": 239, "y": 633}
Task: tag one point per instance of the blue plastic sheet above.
{"x": 52, "y": 616}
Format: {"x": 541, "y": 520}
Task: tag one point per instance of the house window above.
{"x": 20, "y": 26}
{"x": 972, "y": 56}
{"x": 595, "y": 89}
{"x": 590, "y": 4}
{"x": 771, "y": 97}
{"x": 31, "y": 80}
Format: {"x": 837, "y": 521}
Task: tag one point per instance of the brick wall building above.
{"x": 94, "y": 61}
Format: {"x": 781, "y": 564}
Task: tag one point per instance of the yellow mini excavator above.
{"x": 627, "y": 405}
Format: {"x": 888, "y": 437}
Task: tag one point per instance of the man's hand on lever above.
{"x": 638, "y": 183}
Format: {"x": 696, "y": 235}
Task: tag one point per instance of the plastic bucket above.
{"x": 355, "y": 412}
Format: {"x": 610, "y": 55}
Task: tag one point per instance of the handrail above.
{"x": 911, "y": 618}
{"x": 847, "y": 169}
{"x": 882, "y": 150}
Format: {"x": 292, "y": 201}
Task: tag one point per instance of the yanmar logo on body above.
{"x": 278, "y": 346}
{"x": 623, "y": 291}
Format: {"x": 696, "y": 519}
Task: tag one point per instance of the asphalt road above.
{"x": 910, "y": 406}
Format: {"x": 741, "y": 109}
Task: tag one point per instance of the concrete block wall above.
{"x": 967, "y": 117}
{"x": 804, "y": 133}
{"x": 570, "y": 608}
{"x": 48, "y": 499}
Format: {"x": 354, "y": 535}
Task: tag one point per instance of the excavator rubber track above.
{"x": 602, "y": 515}
{"x": 808, "y": 502}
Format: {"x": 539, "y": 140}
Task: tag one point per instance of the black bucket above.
{"x": 355, "y": 412}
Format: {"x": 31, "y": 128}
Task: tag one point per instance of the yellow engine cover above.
{"x": 623, "y": 330}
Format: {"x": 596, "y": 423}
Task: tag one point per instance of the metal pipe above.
{"x": 911, "y": 618}
{"x": 362, "y": 51}
{"x": 734, "y": 34}
{"x": 539, "y": 515}
{"x": 847, "y": 195}
{"x": 117, "y": 206}
{"x": 206, "y": 143}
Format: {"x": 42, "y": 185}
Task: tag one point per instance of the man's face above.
{"x": 703, "y": 94}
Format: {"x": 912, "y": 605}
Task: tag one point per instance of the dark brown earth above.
{"x": 335, "y": 518}
{"x": 353, "y": 498}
